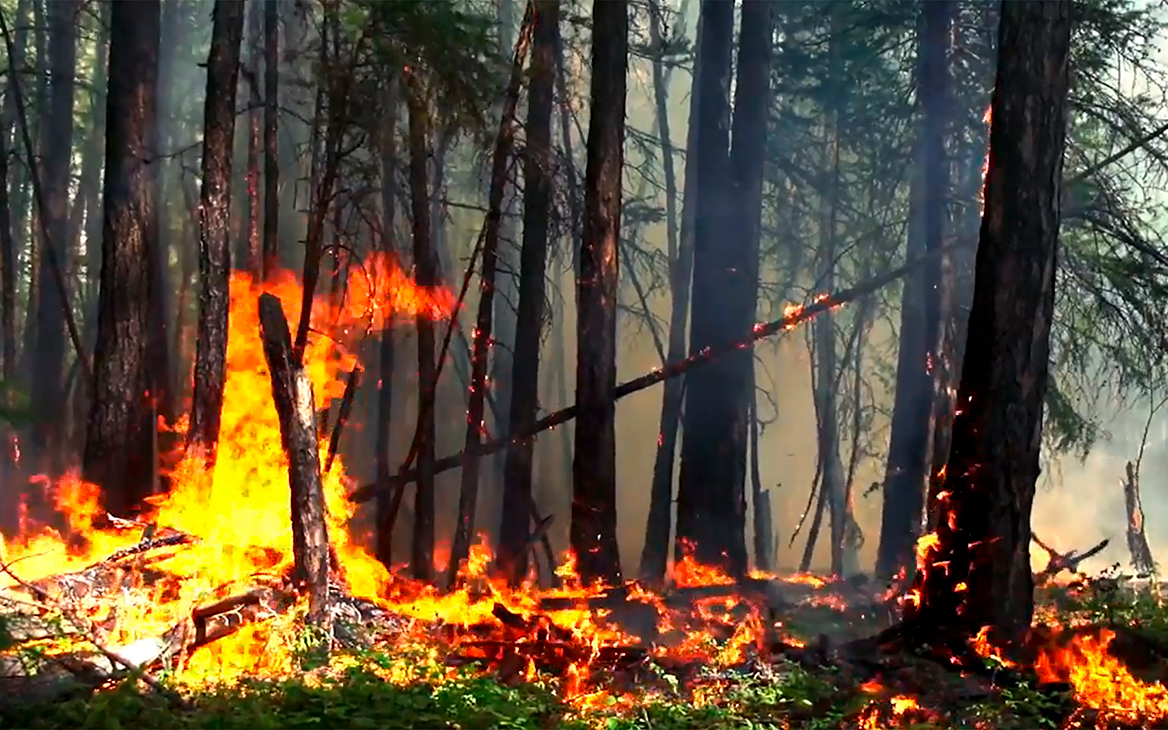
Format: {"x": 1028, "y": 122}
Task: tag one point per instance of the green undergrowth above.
{"x": 353, "y": 692}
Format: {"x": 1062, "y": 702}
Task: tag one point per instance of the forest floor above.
{"x": 416, "y": 688}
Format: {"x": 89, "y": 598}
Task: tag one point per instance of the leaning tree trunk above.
{"x": 426, "y": 275}
{"x": 658, "y": 523}
{"x": 538, "y": 170}
{"x": 119, "y": 446}
{"x": 977, "y": 572}
{"x": 593, "y": 530}
{"x": 271, "y": 239}
{"x": 214, "y": 228}
{"x": 713, "y": 454}
{"x": 918, "y": 359}
{"x": 48, "y": 388}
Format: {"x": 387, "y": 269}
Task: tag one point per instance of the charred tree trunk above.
{"x": 983, "y": 537}
{"x": 593, "y": 530}
{"x": 271, "y": 242}
{"x": 252, "y": 259}
{"x": 752, "y": 102}
{"x": 538, "y": 172}
{"x": 214, "y": 228}
{"x": 658, "y": 524}
{"x": 119, "y": 447}
{"x": 387, "y": 151}
{"x": 909, "y": 463}
{"x": 48, "y": 388}
{"x": 710, "y": 508}
{"x": 425, "y": 274}
{"x": 292, "y": 393}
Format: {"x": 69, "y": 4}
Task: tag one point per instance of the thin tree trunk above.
{"x": 214, "y": 228}
{"x": 655, "y": 552}
{"x": 422, "y": 550}
{"x": 387, "y": 151}
{"x": 48, "y": 389}
{"x": 909, "y": 462}
{"x": 119, "y": 445}
{"x": 253, "y": 258}
{"x": 271, "y": 241}
{"x": 538, "y": 172}
{"x": 593, "y": 529}
{"x": 983, "y": 535}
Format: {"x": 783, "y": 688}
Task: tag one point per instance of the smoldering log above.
{"x": 292, "y": 393}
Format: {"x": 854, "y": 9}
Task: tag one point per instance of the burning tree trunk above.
{"x": 655, "y": 552}
{"x": 271, "y": 242}
{"x": 1137, "y": 541}
{"x": 976, "y": 568}
{"x": 538, "y": 172}
{"x": 387, "y": 152}
{"x": 422, "y": 552}
{"x": 119, "y": 447}
{"x": 711, "y": 491}
{"x": 593, "y": 529}
{"x": 214, "y": 227}
{"x": 909, "y": 463}
{"x": 56, "y": 148}
{"x": 292, "y": 393}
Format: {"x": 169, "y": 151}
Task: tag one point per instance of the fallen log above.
{"x": 292, "y": 393}
{"x": 670, "y": 370}
{"x": 1058, "y": 562}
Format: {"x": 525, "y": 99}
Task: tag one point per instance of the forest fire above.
{"x": 200, "y": 583}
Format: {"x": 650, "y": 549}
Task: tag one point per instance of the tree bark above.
{"x": 271, "y": 242}
{"x": 592, "y": 533}
{"x": 909, "y": 463}
{"x": 713, "y": 456}
{"x": 214, "y": 228}
{"x": 658, "y": 523}
{"x": 977, "y": 570}
{"x": 538, "y": 172}
{"x": 426, "y": 275}
{"x": 48, "y": 390}
{"x": 252, "y": 259}
{"x": 387, "y": 152}
{"x": 292, "y": 393}
{"x": 119, "y": 447}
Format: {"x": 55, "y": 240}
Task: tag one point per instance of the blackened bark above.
{"x": 538, "y": 172}
{"x": 593, "y": 530}
{"x": 214, "y": 228}
{"x": 713, "y": 456}
{"x": 909, "y": 463}
{"x": 659, "y": 523}
{"x": 271, "y": 239}
{"x": 752, "y": 102}
{"x": 56, "y": 142}
{"x": 983, "y": 534}
{"x": 387, "y": 151}
{"x": 292, "y": 393}
{"x": 119, "y": 446}
{"x": 426, "y": 275}
{"x": 253, "y": 259}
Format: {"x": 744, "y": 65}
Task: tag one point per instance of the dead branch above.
{"x": 671, "y": 370}
{"x": 1058, "y": 562}
{"x": 292, "y": 393}
{"x": 342, "y": 416}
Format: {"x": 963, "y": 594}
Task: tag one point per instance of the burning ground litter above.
{"x": 193, "y": 602}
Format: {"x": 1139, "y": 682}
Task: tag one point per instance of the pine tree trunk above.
{"x": 538, "y": 171}
{"x": 909, "y": 462}
{"x": 593, "y": 529}
{"x": 214, "y": 228}
{"x": 252, "y": 259}
{"x": 983, "y": 532}
{"x": 271, "y": 238}
{"x": 387, "y": 152}
{"x": 48, "y": 388}
{"x": 119, "y": 447}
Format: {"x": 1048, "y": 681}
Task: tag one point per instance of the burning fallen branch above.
{"x": 1058, "y": 562}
